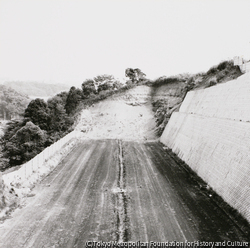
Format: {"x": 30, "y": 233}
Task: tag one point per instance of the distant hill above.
{"x": 36, "y": 89}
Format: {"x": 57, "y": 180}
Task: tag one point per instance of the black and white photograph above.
{"x": 124, "y": 123}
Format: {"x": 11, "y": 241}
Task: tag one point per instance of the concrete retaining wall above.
{"x": 211, "y": 133}
{"x": 229, "y": 100}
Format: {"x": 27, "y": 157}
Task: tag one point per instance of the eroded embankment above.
{"x": 126, "y": 116}
{"x": 211, "y": 134}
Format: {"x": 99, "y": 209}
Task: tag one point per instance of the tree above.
{"x": 11, "y": 128}
{"x": 63, "y": 95}
{"x": 59, "y": 120}
{"x": 129, "y": 72}
{"x": 135, "y": 75}
{"x": 88, "y": 87}
{"x": 12, "y": 104}
{"x": 139, "y": 74}
{"x": 104, "y": 78}
{"x": 103, "y": 87}
{"x": 57, "y": 114}
{"x": 106, "y": 82}
{"x": 38, "y": 112}
{"x": 73, "y": 99}
{"x": 28, "y": 141}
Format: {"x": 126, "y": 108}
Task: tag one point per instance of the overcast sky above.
{"x": 67, "y": 41}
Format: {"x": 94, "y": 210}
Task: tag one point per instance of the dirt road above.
{"x": 112, "y": 190}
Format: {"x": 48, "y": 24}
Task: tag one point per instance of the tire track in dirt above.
{"x": 199, "y": 217}
{"x": 40, "y": 210}
{"x": 153, "y": 200}
{"x": 203, "y": 216}
{"x": 138, "y": 227}
{"x": 70, "y": 217}
{"x": 65, "y": 209}
{"x": 114, "y": 190}
{"x": 165, "y": 202}
{"x": 168, "y": 205}
{"x": 99, "y": 222}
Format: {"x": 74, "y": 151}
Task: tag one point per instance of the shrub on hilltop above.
{"x": 223, "y": 72}
{"x": 135, "y": 75}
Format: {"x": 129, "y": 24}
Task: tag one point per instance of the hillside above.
{"x": 141, "y": 113}
{"x": 169, "y": 92}
{"x": 35, "y": 89}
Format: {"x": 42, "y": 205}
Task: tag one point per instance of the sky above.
{"x": 68, "y": 41}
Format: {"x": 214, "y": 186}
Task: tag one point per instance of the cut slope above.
{"x": 125, "y": 116}
{"x": 169, "y": 92}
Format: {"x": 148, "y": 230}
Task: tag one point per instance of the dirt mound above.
{"x": 127, "y": 116}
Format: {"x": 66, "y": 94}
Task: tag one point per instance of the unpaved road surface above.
{"x": 113, "y": 190}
